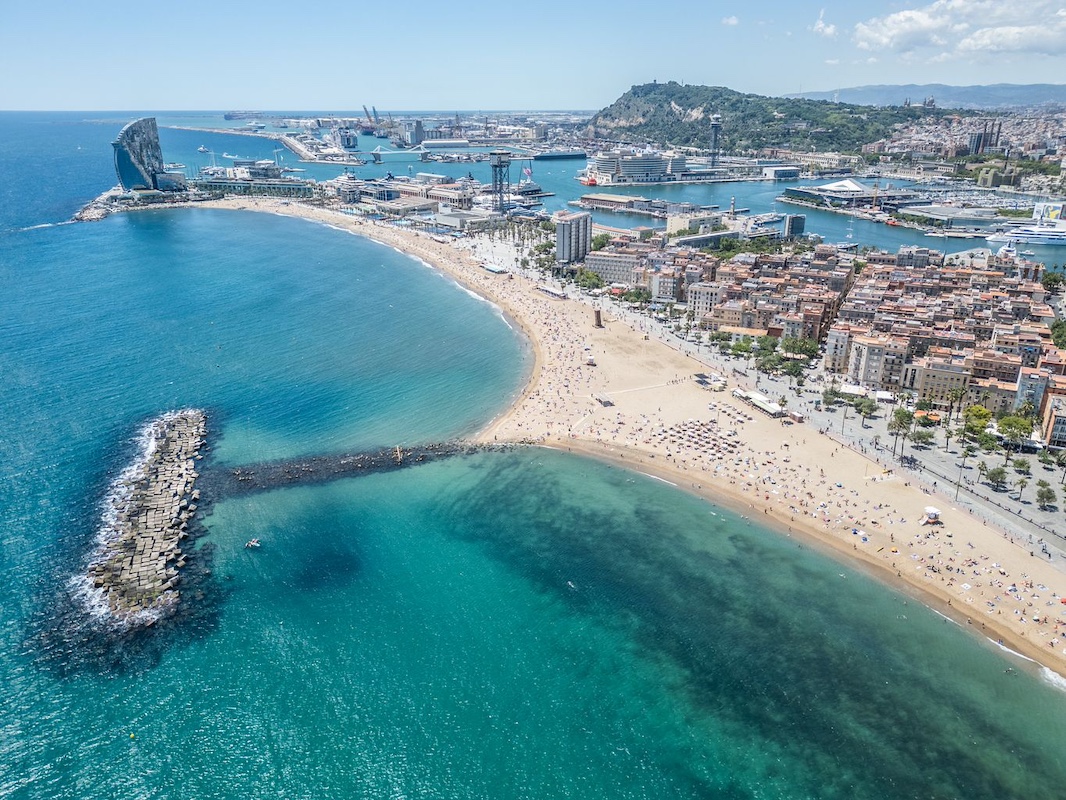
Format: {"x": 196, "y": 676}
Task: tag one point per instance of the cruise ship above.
{"x": 1048, "y": 235}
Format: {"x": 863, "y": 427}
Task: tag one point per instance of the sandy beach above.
{"x": 787, "y": 476}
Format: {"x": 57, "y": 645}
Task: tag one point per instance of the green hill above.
{"x": 677, "y": 115}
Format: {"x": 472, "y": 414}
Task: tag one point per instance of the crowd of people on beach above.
{"x": 795, "y": 478}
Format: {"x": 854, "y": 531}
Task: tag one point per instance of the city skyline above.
{"x": 552, "y": 56}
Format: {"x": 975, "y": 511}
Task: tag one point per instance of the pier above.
{"x": 134, "y": 574}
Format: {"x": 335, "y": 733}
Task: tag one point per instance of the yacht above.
{"x": 1054, "y": 234}
{"x": 528, "y": 186}
{"x": 202, "y": 149}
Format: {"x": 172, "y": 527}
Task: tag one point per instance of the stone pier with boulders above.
{"x": 134, "y": 574}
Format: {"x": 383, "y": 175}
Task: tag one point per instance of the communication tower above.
{"x": 500, "y": 161}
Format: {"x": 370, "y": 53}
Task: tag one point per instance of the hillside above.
{"x": 994, "y": 97}
{"x": 670, "y": 113}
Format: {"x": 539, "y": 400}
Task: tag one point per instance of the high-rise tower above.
{"x": 138, "y": 157}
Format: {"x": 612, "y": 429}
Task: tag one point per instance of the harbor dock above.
{"x": 135, "y": 571}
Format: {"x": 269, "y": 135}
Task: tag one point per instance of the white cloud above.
{"x": 947, "y": 29}
{"x": 822, "y": 28}
{"x": 730, "y": 21}
{"x": 832, "y": 61}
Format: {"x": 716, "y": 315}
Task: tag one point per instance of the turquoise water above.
{"x": 514, "y": 625}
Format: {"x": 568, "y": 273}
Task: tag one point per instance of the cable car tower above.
{"x": 500, "y": 161}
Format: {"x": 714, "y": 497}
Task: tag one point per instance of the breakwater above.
{"x": 133, "y": 574}
{"x": 220, "y": 483}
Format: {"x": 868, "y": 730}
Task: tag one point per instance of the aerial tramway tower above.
{"x": 500, "y": 161}
{"x": 716, "y": 130}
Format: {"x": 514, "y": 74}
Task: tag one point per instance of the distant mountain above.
{"x": 994, "y": 97}
{"x": 670, "y": 113}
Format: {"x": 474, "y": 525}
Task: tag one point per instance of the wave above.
{"x": 1002, "y": 646}
{"x": 656, "y": 477}
{"x": 1053, "y": 679}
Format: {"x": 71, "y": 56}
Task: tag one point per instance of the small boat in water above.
{"x": 202, "y": 149}
{"x": 252, "y": 543}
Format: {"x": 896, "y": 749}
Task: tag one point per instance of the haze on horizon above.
{"x": 551, "y": 55}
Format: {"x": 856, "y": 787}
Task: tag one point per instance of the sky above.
{"x": 474, "y": 55}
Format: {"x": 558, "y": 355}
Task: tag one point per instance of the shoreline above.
{"x": 798, "y": 481}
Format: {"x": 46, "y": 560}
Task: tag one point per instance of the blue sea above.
{"x": 520, "y": 624}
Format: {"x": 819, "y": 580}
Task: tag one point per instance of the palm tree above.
{"x": 905, "y": 434}
{"x": 955, "y": 400}
{"x": 982, "y": 468}
{"x": 1021, "y": 483}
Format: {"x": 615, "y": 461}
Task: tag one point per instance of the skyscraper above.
{"x": 573, "y": 236}
{"x": 138, "y": 156}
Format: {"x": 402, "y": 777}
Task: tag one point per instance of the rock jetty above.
{"x": 220, "y": 484}
{"x": 134, "y": 574}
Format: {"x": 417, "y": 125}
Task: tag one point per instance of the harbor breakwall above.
{"x": 218, "y": 483}
{"x": 133, "y": 574}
